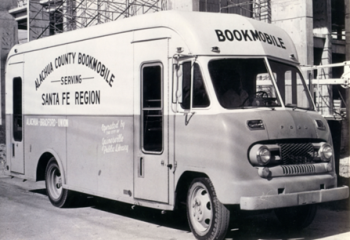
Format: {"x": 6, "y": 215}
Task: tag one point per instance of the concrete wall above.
{"x": 295, "y": 17}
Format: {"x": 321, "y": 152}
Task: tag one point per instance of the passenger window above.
{"x": 200, "y": 97}
{"x": 17, "y": 109}
{"x": 295, "y": 93}
{"x": 288, "y": 88}
{"x": 302, "y": 96}
{"x": 152, "y": 108}
{"x": 291, "y": 86}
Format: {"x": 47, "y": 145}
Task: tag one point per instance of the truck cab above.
{"x": 251, "y": 125}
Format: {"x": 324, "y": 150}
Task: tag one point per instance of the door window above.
{"x": 17, "y": 109}
{"x": 152, "y": 108}
{"x": 200, "y": 97}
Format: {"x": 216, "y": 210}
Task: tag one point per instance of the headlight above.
{"x": 325, "y": 152}
{"x": 263, "y": 155}
{"x": 260, "y": 155}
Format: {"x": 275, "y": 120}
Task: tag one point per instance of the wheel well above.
{"x": 43, "y": 161}
{"x": 183, "y": 185}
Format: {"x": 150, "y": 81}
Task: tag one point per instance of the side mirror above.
{"x": 177, "y": 86}
{"x": 182, "y": 87}
{"x": 179, "y": 96}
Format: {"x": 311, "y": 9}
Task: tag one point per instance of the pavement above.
{"x": 29, "y": 204}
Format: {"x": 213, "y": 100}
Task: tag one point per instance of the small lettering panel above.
{"x": 99, "y": 152}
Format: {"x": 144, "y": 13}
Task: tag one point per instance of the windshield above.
{"x": 246, "y": 83}
{"x": 243, "y": 83}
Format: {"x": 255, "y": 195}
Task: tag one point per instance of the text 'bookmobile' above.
{"x": 172, "y": 107}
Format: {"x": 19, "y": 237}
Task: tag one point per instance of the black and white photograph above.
{"x": 174, "y": 119}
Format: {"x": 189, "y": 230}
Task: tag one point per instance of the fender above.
{"x": 59, "y": 162}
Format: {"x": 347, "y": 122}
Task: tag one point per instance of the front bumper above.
{"x": 294, "y": 199}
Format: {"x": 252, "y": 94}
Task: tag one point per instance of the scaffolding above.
{"x": 67, "y": 15}
{"x": 256, "y": 9}
{"x": 49, "y": 17}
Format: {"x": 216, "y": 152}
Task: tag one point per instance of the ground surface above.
{"x": 26, "y": 213}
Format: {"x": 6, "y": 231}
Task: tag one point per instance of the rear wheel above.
{"x": 208, "y": 218}
{"x": 296, "y": 217}
{"x": 58, "y": 196}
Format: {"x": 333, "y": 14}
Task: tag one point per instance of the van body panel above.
{"x": 99, "y": 164}
{"x": 78, "y": 79}
{"x": 194, "y": 38}
{"x": 209, "y": 147}
{"x": 43, "y": 133}
{"x": 289, "y": 124}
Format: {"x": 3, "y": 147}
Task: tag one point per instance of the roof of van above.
{"x": 203, "y": 34}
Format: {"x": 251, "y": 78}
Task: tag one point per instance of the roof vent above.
{"x": 179, "y": 49}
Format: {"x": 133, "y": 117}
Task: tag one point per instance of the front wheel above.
{"x": 207, "y": 216}
{"x": 58, "y": 196}
{"x": 296, "y": 217}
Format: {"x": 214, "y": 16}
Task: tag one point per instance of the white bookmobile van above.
{"x": 205, "y": 109}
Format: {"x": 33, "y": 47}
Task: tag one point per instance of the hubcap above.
{"x": 201, "y": 212}
{"x": 55, "y": 183}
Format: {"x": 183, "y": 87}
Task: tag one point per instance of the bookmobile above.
{"x": 210, "y": 110}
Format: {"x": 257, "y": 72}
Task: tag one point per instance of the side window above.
{"x": 152, "y": 108}
{"x": 200, "y": 97}
{"x": 17, "y": 109}
{"x": 302, "y": 94}
{"x": 291, "y": 86}
{"x": 295, "y": 93}
{"x": 288, "y": 88}
{"x": 186, "y": 85}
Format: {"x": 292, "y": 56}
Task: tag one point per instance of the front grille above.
{"x": 299, "y": 169}
{"x": 296, "y": 153}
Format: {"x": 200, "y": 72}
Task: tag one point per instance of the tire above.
{"x": 208, "y": 218}
{"x": 58, "y": 196}
{"x": 296, "y": 218}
